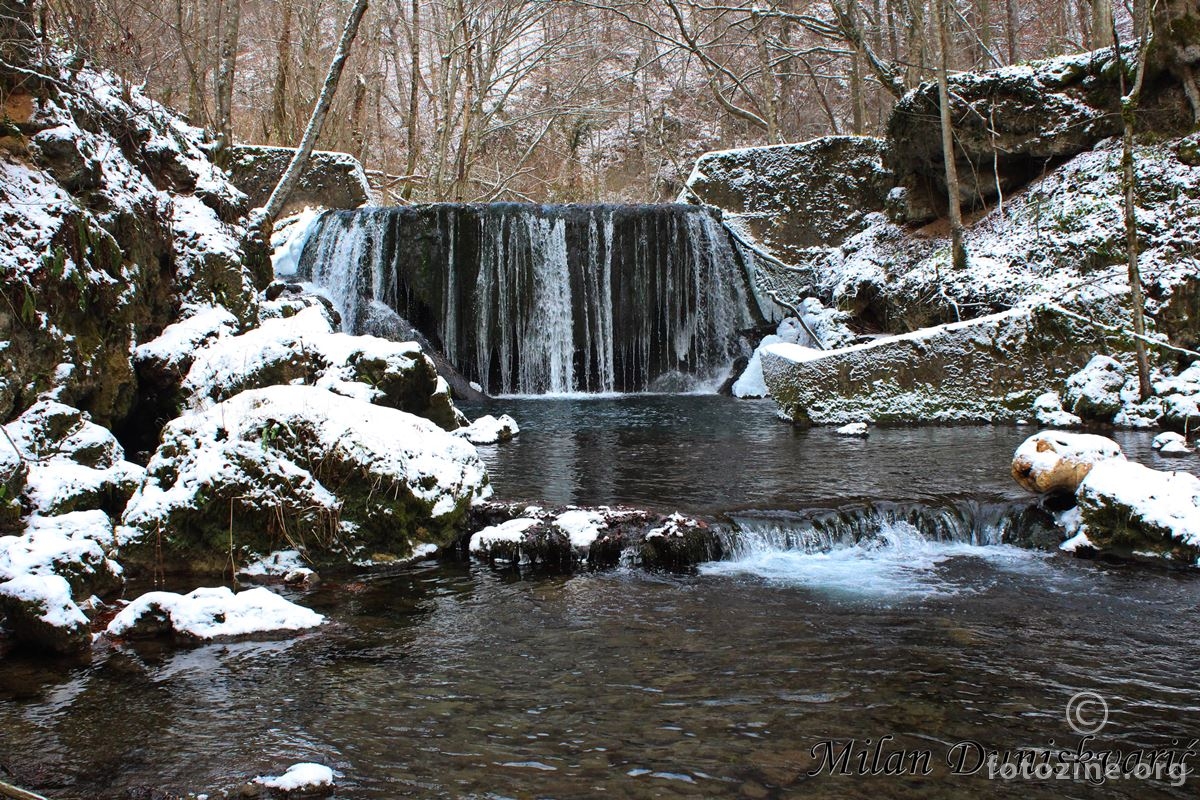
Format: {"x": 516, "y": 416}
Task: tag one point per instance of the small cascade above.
{"x": 966, "y": 522}
{"x": 530, "y": 299}
{"x": 886, "y": 551}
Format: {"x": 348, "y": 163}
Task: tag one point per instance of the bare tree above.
{"x": 231, "y": 14}
{"x": 953, "y": 201}
{"x": 295, "y": 168}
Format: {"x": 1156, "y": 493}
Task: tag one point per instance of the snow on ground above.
{"x": 489, "y": 430}
{"x": 212, "y": 613}
{"x": 179, "y": 342}
{"x": 305, "y": 776}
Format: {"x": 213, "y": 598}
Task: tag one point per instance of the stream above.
{"x": 454, "y": 680}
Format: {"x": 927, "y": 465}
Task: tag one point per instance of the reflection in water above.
{"x": 705, "y": 453}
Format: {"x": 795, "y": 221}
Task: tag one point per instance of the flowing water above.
{"x": 545, "y": 298}
{"x": 835, "y": 621}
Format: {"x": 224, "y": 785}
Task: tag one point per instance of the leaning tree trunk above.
{"x": 959, "y": 250}
{"x": 291, "y": 175}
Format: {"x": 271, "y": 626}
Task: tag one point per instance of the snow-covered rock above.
{"x": 211, "y": 613}
{"x": 1055, "y": 461}
{"x": 986, "y": 370}
{"x": 74, "y": 546}
{"x": 285, "y": 565}
{"x": 1049, "y": 412}
{"x": 751, "y": 383}
{"x": 1131, "y": 509}
{"x": 40, "y": 610}
{"x": 858, "y": 429}
{"x": 340, "y": 477}
{"x": 304, "y": 777}
{"x": 566, "y": 539}
{"x": 72, "y": 463}
{"x": 304, "y": 348}
{"x": 1094, "y": 393}
{"x": 490, "y": 430}
{"x": 1170, "y": 443}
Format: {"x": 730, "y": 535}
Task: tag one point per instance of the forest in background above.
{"x": 556, "y": 100}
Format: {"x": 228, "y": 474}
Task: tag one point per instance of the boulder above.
{"x": 338, "y": 478}
{"x": 795, "y": 196}
{"x": 1054, "y": 461}
{"x": 1129, "y": 509}
{"x": 490, "y": 430}
{"x": 1094, "y": 393}
{"x": 207, "y": 614}
{"x": 572, "y": 538}
{"x": 1171, "y": 444}
{"x": 1010, "y": 124}
{"x": 1049, "y": 412}
{"x": 42, "y": 615}
{"x": 986, "y": 370}
{"x": 301, "y": 347}
{"x": 73, "y": 546}
{"x": 330, "y": 180}
{"x": 1179, "y": 396}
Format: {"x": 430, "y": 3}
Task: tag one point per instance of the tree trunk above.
{"x": 231, "y": 14}
{"x": 1102, "y": 24}
{"x": 1013, "y": 13}
{"x": 414, "y": 50}
{"x": 959, "y": 251}
{"x": 1129, "y": 106}
{"x": 295, "y": 168}
{"x": 283, "y": 66}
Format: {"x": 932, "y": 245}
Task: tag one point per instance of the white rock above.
{"x": 1169, "y": 438}
{"x": 858, "y": 429}
{"x": 1151, "y": 501}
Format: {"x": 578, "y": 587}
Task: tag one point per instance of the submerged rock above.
{"x": 985, "y": 370}
{"x": 340, "y": 478}
{"x": 1054, "y": 461}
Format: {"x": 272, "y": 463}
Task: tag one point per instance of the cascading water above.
{"x": 546, "y": 299}
{"x": 880, "y": 551}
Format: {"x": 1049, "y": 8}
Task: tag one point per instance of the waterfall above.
{"x": 530, "y": 299}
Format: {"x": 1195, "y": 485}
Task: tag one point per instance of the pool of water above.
{"x": 445, "y": 680}
{"x": 711, "y": 454}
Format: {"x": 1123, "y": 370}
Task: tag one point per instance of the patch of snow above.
{"x": 512, "y": 530}
{"x": 304, "y": 776}
{"x": 489, "y": 430}
{"x": 1169, "y": 438}
{"x": 858, "y": 429}
{"x": 582, "y": 526}
{"x": 209, "y": 613}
